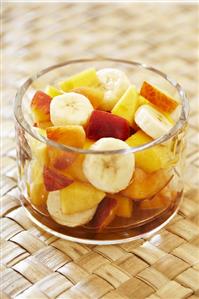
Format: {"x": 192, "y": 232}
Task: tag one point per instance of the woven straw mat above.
{"x": 38, "y": 265}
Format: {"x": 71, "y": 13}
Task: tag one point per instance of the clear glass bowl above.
{"x": 158, "y": 194}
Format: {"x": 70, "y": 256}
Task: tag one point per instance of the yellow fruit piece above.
{"x": 38, "y": 148}
{"x": 43, "y": 124}
{"x": 38, "y": 194}
{"x": 146, "y": 185}
{"x": 124, "y": 205}
{"x": 151, "y": 159}
{"x": 157, "y": 202}
{"x": 71, "y": 135}
{"x": 127, "y": 105}
{"x": 85, "y": 78}
{"x": 53, "y": 91}
{"x": 88, "y": 143}
{"x": 168, "y": 116}
{"x": 95, "y": 95}
{"x": 142, "y": 101}
{"x": 75, "y": 170}
{"x": 79, "y": 197}
{"x": 36, "y": 188}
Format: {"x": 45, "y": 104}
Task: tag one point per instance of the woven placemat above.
{"x": 38, "y": 265}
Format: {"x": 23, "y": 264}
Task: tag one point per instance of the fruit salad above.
{"x": 100, "y": 110}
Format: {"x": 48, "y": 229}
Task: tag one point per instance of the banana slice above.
{"x": 152, "y": 122}
{"x": 54, "y": 209}
{"x": 70, "y": 109}
{"x": 115, "y": 83}
{"x": 109, "y": 173}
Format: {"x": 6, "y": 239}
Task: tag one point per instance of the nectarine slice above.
{"x": 71, "y": 135}
{"x": 146, "y": 185}
{"x": 40, "y": 107}
{"x": 54, "y": 180}
{"x": 158, "y": 98}
{"x": 106, "y": 212}
{"x": 68, "y": 135}
{"x": 157, "y": 202}
{"x": 104, "y": 124}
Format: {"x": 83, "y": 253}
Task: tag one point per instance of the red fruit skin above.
{"x": 104, "y": 124}
{"x": 40, "y": 106}
{"x": 54, "y": 180}
{"x": 105, "y": 213}
{"x": 41, "y": 101}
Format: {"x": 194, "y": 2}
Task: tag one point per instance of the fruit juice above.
{"x": 94, "y": 177}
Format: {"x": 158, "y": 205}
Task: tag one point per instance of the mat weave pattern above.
{"x": 36, "y": 265}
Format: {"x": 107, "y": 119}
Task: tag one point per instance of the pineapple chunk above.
{"x": 127, "y": 105}
{"x": 85, "y": 78}
{"x": 124, "y": 205}
{"x": 35, "y": 184}
{"x": 151, "y": 159}
{"x": 79, "y": 197}
{"x": 38, "y": 148}
{"x": 53, "y": 91}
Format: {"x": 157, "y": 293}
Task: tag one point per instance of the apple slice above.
{"x": 158, "y": 98}
{"x": 54, "y": 180}
{"x": 94, "y": 94}
{"x": 70, "y": 135}
{"x": 146, "y": 185}
{"x": 127, "y": 105}
{"x": 85, "y": 78}
{"x": 40, "y": 107}
{"x": 151, "y": 159}
{"x": 104, "y": 124}
{"x": 106, "y": 212}
{"x": 124, "y": 205}
{"x": 79, "y": 197}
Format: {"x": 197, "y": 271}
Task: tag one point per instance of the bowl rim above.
{"x": 174, "y": 131}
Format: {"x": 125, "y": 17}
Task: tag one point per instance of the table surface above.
{"x": 36, "y": 264}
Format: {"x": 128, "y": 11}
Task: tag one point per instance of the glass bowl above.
{"x": 159, "y": 193}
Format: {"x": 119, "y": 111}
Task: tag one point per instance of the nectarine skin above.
{"x": 54, "y": 180}
{"x": 104, "y": 124}
{"x": 68, "y": 135}
{"x": 105, "y": 213}
{"x": 158, "y": 98}
{"x": 40, "y": 106}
